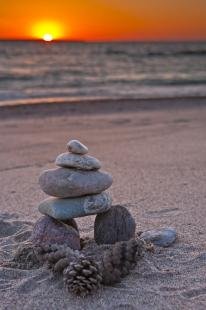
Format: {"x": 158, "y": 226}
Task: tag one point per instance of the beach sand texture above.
{"x": 158, "y": 161}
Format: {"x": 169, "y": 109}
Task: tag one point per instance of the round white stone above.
{"x": 76, "y": 147}
{"x": 82, "y": 162}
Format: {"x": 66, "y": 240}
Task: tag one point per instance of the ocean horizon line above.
{"x": 104, "y": 41}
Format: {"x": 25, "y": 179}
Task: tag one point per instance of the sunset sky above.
{"x": 103, "y": 19}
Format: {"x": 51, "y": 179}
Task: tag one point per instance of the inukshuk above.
{"x": 77, "y": 188}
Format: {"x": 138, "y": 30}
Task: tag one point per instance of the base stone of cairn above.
{"x": 49, "y": 231}
{"x": 113, "y": 226}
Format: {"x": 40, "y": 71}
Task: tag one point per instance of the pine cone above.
{"x": 120, "y": 259}
{"x": 57, "y": 257}
{"x": 24, "y": 258}
{"x": 83, "y": 276}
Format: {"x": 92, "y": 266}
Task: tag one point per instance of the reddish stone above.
{"x": 50, "y": 231}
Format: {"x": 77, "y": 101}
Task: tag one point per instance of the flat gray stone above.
{"x": 64, "y": 209}
{"x": 82, "y": 162}
{"x": 76, "y": 147}
{"x": 161, "y": 237}
{"x": 66, "y": 182}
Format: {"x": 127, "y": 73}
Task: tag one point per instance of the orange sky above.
{"x": 104, "y": 19}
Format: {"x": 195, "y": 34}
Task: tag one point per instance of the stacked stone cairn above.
{"x": 77, "y": 187}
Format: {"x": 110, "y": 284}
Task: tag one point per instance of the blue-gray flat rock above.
{"x": 66, "y": 182}
{"x": 161, "y": 237}
{"x": 64, "y": 209}
{"x": 82, "y": 162}
{"x": 76, "y": 147}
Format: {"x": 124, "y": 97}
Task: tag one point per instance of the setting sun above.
{"x": 48, "y": 37}
{"x": 47, "y": 30}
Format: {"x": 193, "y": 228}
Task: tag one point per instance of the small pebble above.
{"x": 161, "y": 237}
{"x": 76, "y": 147}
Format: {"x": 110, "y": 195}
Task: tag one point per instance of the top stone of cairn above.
{"x": 76, "y": 147}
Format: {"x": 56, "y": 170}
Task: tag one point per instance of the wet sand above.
{"x": 157, "y": 156}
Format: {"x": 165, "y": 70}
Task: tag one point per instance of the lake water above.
{"x": 65, "y": 71}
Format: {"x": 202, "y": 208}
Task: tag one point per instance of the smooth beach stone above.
{"x": 113, "y": 226}
{"x": 82, "y": 162}
{"x": 66, "y": 182}
{"x": 161, "y": 237}
{"x": 50, "y": 231}
{"x": 63, "y": 209}
{"x": 76, "y": 147}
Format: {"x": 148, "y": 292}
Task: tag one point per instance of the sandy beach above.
{"x": 156, "y": 152}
